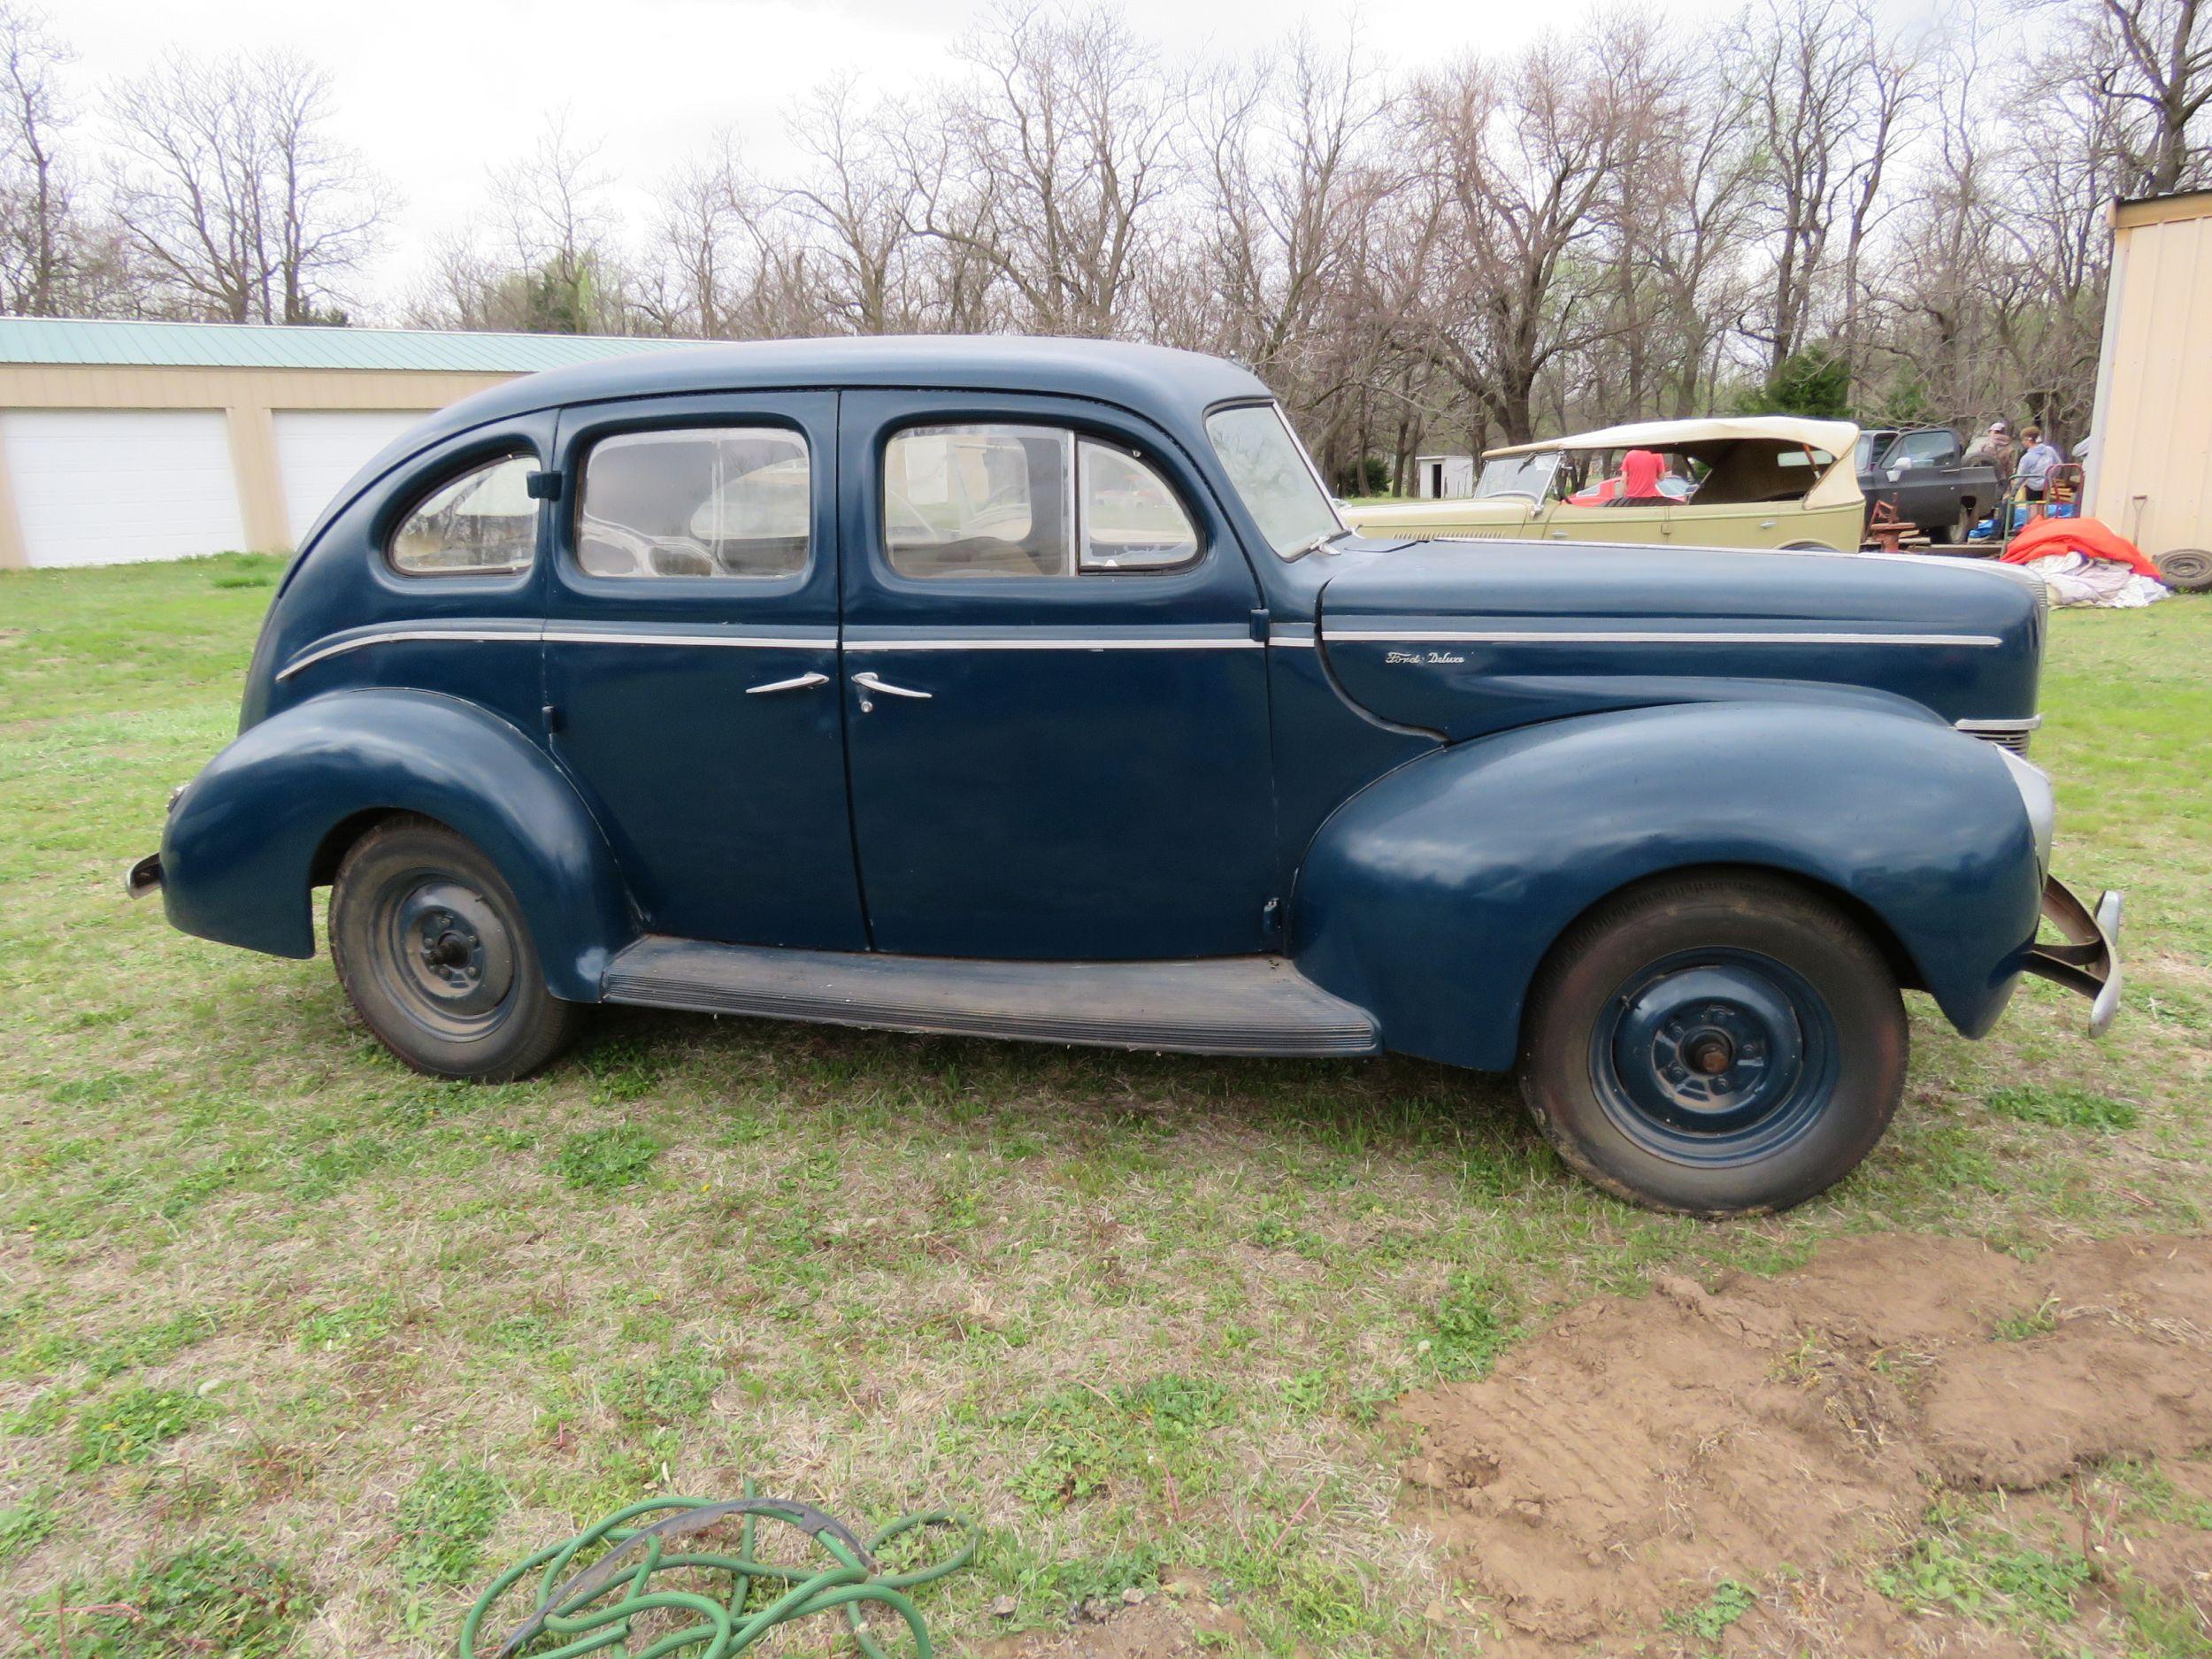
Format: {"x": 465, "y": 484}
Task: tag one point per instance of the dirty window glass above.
{"x": 1131, "y": 519}
{"x": 481, "y": 524}
{"x": 696, "y": 501}
{"x": 1273, "y": 476}
{"x": 996, "y": 500}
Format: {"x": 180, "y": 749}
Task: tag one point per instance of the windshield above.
{"x": 1528, "y": 475}
{"x": 1273, "y": 477}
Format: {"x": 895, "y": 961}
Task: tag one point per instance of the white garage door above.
{"x": 106, "y": 485}
{"x": 318, "y": 449}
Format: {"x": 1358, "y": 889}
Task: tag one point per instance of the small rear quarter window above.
{"x": 482, "y": 523}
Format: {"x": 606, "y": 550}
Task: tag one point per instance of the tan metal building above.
{"x": 2149, "y": 474}
{"x": 123, "y": 441}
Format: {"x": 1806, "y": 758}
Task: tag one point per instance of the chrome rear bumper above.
{"x": 143, "y": 878}
{"x": 2089, "y": 961}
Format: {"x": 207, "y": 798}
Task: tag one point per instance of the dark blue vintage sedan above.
{"x": 1034, "y": 689}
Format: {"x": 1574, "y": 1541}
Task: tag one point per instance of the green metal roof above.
{"x": 260, "y": 346}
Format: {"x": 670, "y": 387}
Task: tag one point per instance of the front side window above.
{"x": 482, "y": 523}
{"x": 1009, "y": 500}
{"x": 1273, "y": 477}
{"x": 1924, "y": 449}
{"x": 696, "y": 501}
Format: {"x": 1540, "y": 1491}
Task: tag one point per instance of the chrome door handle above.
{"x": 868, "y": 681}
{"x": 798, "y": 682}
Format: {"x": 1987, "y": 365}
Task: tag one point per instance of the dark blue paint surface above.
{"x": 726, "y": 808}
{"x": 1414, "y": 821}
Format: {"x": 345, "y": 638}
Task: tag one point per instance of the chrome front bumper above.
{"x": 2089, "y": 961}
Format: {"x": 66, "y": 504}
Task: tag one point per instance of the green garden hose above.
{"x": 633, "y": 1570}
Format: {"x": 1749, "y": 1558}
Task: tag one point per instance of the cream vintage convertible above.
{"x": 1753, "y": 481}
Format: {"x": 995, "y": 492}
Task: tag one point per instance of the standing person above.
{"x": 2035, "y": 466}
{"x": 1994, "y": 448}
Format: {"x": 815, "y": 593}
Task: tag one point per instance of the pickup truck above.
{"x": 1922, "y": 474}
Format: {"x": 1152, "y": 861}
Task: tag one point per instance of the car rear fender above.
{"x": 247, "y": 839}
{"x": 1431, "y": 897}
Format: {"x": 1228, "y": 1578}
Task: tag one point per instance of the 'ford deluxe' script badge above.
{"x": 1423, "y": 656}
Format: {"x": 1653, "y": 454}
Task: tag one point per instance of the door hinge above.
{"x": 1272, "y": 918}
{"x": 552, "y": 713}
{"x": 1259, "y": 623}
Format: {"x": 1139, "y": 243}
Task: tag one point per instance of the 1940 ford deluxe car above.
{"x": 1034, "y": 689}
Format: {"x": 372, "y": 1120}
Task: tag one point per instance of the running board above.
{"x": 1212, "y": 1005}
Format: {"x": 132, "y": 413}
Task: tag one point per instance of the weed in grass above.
{"x": 2020, "y": 1326}
{"x": 602, "y": 1160}
{"x": 24, "y": 1525}
{"x": 218, "y": 1598}
{"x": 622, "y": 1069}
{"x": 2161, "y": 1627}
{"x": 127, "y": 1428}
{"x": 2063, "y": 1106}
{"x": 1988, "y": 1576}
{"x": 443, "y": 1522}
{"x": 1471, "y": 1330}
{"x": 1712, "y": 1616}
{"x": 675, "y": 1388}
{"x": 351, "y": 1325}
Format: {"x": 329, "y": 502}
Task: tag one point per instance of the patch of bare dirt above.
{"x": 1178, "y": 1623}
{"x": 1615, "y": 1468}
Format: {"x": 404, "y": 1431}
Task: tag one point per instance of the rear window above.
{"x": 696, "y": 501}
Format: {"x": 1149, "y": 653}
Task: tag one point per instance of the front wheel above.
{"x": 435, "y": 957}
{"x": 1714, "y": 1045}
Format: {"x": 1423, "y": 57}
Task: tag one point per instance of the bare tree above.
{"x": 2153, "y": 58}
{"x": 232, "y": 193}
{"x": 1057, "y": 152}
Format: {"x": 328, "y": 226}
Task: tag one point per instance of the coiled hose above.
{"x": 637, "y": 1570}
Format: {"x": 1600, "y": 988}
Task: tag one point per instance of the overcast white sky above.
{"x": 435, "y": 95}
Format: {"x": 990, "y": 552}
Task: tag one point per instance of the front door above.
{"x": 1606, "y": 522}
{"x": 1055, "y": 703}
{"x": 691, "y": 663}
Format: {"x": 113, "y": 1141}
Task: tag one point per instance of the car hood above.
{"x": 1467, "y": 639}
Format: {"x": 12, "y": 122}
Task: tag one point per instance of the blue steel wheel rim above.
{"x": 1715, "y": 1057}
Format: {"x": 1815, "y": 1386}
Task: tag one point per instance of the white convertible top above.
{"x": 1836, "y": 439}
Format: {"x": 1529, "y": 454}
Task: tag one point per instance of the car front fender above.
{"x": 240, "y": 855}
{"x": 1431, "y": 897}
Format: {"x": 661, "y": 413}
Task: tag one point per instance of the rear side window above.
{"x": 482, "y": 523}
{"x": 1010, "y": 499}
{"x": 696, "y": 501}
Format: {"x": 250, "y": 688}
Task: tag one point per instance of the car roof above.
{"x": 1111, "y": 371}
{"x": 1834, "y": 437}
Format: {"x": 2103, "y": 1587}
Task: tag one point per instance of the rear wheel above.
{"x": 1714, "y": 1045}
{"x": 435, "y": 957}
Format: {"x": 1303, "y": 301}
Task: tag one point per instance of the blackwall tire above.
{"x": 1714, "y": 1045}
{"x": 2186, "y": 569}
{"x": 434, "y": 954}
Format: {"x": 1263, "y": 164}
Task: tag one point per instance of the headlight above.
{"x": 2034, "y": 785}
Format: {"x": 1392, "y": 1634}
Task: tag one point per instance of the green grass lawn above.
{"x": 303, "y": 1348}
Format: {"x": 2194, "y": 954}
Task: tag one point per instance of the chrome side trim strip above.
{"x": 395, "y": 636}
{"x": 1532, "y": 636}
{"x": 533, "y": 632}
{"x": 1141, "y": 642}
{"x": 617, "y": 636}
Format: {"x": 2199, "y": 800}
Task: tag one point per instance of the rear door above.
{"x": 691, "y": 660}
